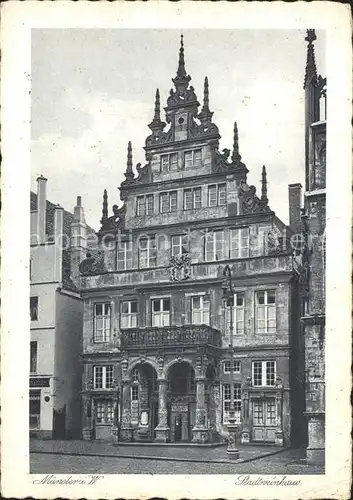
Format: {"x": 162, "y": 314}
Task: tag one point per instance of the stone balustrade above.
{"x": 171, "y": 336}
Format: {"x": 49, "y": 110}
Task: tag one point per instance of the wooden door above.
{"x": 264, "y": 420}
{"x": 104, "y": 417}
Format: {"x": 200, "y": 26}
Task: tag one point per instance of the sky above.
{"x": 93, "y": 90}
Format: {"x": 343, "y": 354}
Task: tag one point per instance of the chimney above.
{"x": 78, "y": 242}
{"x": 295, "y": 203}
{"x": 59, "y": 241}
{"x": 41, "y": 208}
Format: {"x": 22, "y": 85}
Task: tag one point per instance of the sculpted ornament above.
{"x": 180, "y": 268}
{"x": 93, "y": 264}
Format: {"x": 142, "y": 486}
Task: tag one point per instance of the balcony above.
{"x": 171, "y": 336}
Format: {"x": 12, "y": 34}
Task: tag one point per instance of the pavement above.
{"x": 147, "y": 451}
{"x": 106, "y": 458}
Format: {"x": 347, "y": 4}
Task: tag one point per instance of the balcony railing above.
{"x": 170, "y": 336}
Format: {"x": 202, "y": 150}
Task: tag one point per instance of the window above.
{"x": 33, "y": 307}
{"x": 102, "y": 322}
{"x": 34, "y": 409}
{"x": 134, "y": 404}
{"x": 33, "y": 359}
{"x": 103, "y": 377}
{"x": 227, "y": 400}
{"x": 238, "y": 315}
{"x": 227, "y": 366}
{"x": 265, "y": 312}
{"x": 239, "y": 243}
{"x": 160, "y": 312}
{"x": 104, "y": 411}
{"x": 128, "y": 314}
{"x": 169, "y": 162}
{"x": 134, "y": 393}
{"x": 200, "y": 307}
{"x": 135, "y": 375}
{"x": 180, "y": 245}
{"x": 192, "y": 158}
{"x": 217, "y": 195}
{"x": 147, "y": 252}
{"x": 222, "y": 195}
{"x": 124, "y": 255}
{"x": 214, "y": 248}
{"x": 263, "y": 373}
{"x": 192, "y": 198}
{"x": 144, "y": 205}
{"x": 168, "y": 202}
{"x": 262, "y": 240}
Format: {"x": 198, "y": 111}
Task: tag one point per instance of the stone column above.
{"x": 115, "y": 423}
{"x": 200, "y": 431}
{"x": 126, "y": 427}
{"x": 245, "y": 432}
{"x": 87, "y": 417}
{"x": 162, "y": 429}
{"x": 279, "y": 420}
{"x": 315, "y": 451}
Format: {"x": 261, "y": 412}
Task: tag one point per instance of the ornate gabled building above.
{"x": 158, "y": 360}
{"x": 313, "y": 254}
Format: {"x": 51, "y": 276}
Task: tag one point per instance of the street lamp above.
{"x": 228, "y": 296}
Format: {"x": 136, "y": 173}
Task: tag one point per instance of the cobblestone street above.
{"x": 68, "y": 464}
{"x": 79, "y": 457}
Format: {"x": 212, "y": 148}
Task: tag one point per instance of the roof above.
{"x": 49, "y": 230}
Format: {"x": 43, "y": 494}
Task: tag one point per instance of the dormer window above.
{"x": 192, "y": 158}
{"x": 169, "y": 162}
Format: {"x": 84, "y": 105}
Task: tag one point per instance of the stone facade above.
{"x": 313, "y": 254}
{"x": 157, "y": 353}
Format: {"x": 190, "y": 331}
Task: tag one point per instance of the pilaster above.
{"x": 162, "y": 429}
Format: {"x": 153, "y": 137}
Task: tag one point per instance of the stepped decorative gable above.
{"x": 186, "y": 123}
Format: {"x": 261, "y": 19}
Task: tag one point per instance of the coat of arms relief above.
{"x": 179, "y": 268}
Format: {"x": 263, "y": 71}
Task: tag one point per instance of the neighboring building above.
{"x": 56, "y": 312}
{"x": 156, "y": 356}
{"x": 313, "y": 254}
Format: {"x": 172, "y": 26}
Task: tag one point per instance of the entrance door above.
{"x": 178, "y": 428}
{"x": 264, "y": 420}
{"x": 104, "y": 417}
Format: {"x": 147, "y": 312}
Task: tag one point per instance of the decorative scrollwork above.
{"x": 250, "y": 203}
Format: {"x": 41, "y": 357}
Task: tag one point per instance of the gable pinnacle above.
{"x": 235, "y": 155}
{"x": 310, "y": 68}
{"x": 105, "y": 206}
{"x": 156, "y": 124}
{"x": 181, "y": 66}
{"x": 129, "y": 174}
{"x": 205, "y": 114}
{"x": 206, "y": 95}
{"x": 182, "y": 79}
{"x": 264, "y": 198}
{"x": 157, "y": 107}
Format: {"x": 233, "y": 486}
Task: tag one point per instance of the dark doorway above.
{"x": 178, "y": 428}
{"x": 59, "y": 423}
